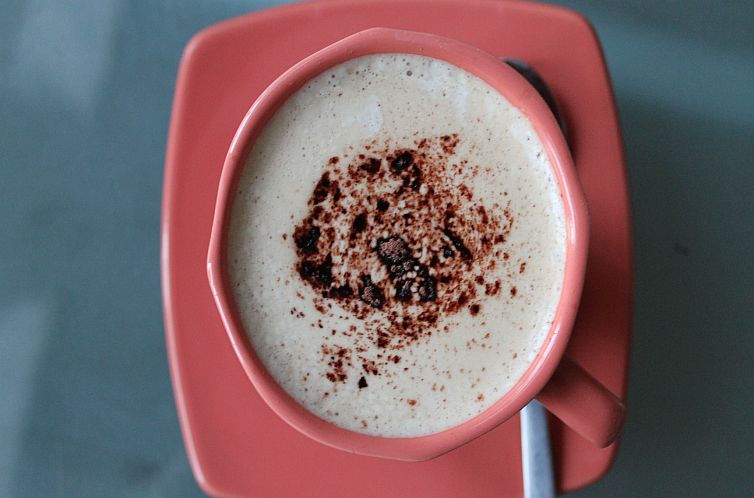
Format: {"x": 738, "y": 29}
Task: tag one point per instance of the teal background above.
{"x": 86, "y": 407}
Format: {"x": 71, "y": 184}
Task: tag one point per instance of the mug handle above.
{"x": 582, "y": 403}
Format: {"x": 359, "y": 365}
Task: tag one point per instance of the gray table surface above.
{"x": 86, "y": 407}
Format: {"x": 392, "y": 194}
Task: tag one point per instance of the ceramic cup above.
{"x": 564, "y": 388}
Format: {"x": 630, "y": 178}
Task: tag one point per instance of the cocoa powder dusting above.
{"x": 338, "y": 361}
{"x": 398, "y": 247}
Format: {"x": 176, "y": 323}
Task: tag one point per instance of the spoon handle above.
{"x": 536, "y": 458}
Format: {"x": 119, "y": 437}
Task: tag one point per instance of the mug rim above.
{"x": 521, "y": 95}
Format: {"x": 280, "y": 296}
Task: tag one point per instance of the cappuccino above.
{"x": 397, "y": 245}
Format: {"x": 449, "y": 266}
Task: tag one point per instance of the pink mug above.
{"x": 561, "y": 385}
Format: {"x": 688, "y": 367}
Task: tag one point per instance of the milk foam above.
{"x": 469, "y": 360}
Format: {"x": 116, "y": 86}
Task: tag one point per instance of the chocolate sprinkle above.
{"x": 317, "y": 274}
{"x": 370, "y": 293}
{"x": 306, "y": 239}
{"x": 458, "y": 244}
{"x": 359, "y": 224}
{"x": 393, "y": 250}
{"x": 401, "y": 162}
{"x": 371, "y": 166}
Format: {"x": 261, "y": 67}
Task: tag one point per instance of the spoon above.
{"x": 536, "y": 457}
{"x": 536, "y": 454}
{"x": 541, "y": 87}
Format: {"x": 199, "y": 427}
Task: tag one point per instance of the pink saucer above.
{"x": 237, "y": 446}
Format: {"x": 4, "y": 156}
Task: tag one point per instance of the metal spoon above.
{"x": 541, "y": 87}
{"x": 536, "y": 455}
{"x": 536, "y": 458}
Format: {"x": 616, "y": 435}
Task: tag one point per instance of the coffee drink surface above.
{"x": 397, "y": 245}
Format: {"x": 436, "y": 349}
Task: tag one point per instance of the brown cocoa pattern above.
{"x": 397, "y": 241}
